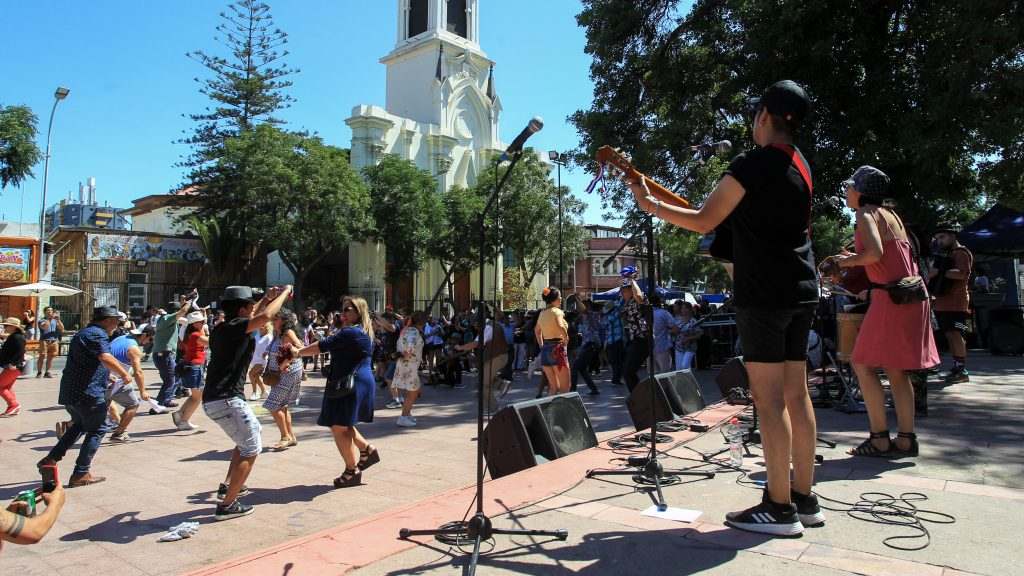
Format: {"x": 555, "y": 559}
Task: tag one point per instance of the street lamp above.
{"x": 559, "y": 160}
{"x": 60, "y": 94}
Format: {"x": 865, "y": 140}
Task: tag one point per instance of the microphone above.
{"x": 719, "y": 147}
{"x": 516, "y": 147}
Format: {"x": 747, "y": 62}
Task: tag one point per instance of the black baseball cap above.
{"x": 785, "y": 98}
{"x": 947, "y": 227}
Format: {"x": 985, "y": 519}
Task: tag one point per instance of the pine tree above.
{"x": 246, "y": 88}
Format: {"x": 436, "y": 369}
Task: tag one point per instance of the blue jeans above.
{"x": 88, "y": 419}
{"x": 164, "y": 362}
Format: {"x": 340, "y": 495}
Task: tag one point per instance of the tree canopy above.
{"x": 18, "y": 150}
{"x": 408, "y": 213}
{"x": 929, "y": 92}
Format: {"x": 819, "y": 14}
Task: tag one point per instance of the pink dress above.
{"x": 894, "y": 335}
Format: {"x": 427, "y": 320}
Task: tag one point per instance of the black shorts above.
{"x": 768, "y": 335}
{"x": 953, "y": 321}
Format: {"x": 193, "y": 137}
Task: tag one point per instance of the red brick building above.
{"x": 590, "y": 275}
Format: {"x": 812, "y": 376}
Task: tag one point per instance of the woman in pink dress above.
{"x": 895, "y": 337}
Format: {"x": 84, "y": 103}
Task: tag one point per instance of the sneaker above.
{"x": 807, "y": 509}
{"x": 767, "y": 518}
{"x": 121, "y": 437}
{"x": 48, "y": 375}
{"x": 11, "y": 411}
{"x": 182, "y": 424}
{"x": 235, "y": 510}
{"x": 393, "y": 404}
{"x": 254, "y": 397}
{"x": 156, "y": 408}
{"x": 406, "y": 422}
{"x": 503, "y": 388}
{"x": 222, "y": 491}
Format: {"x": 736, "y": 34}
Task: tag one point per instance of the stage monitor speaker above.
{"x": 676, "y": 395}
{"x": 732, "y": 375}
{"x": 529, "y": 433}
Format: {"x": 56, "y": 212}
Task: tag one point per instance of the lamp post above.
{"x": 60, "y": 94}
{"x": 559, "y": 160}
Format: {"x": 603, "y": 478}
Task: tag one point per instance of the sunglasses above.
{"x": 349, "y": 309}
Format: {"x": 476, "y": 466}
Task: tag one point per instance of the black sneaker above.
{"x": 235, "y": 510}
{"x": 958, "y": 375}
{"x": 222, "y": 491}
{"x": 767, "y": 518}
{"x": 807, "y": 509}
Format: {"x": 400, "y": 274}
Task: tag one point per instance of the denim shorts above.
{"x": 236, "y": 419}
{"x": 192, "y": 377}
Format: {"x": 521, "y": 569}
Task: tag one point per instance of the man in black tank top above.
{"x": 763, "y": 204}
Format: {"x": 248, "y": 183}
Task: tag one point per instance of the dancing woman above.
{"x": 289, "y": 384}
{"x": 896, "y": 337}
{"x": 351, "y": 350}
{"x": 552, "y": 334}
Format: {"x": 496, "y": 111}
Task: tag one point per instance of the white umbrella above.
{"x": 39, "y": 289}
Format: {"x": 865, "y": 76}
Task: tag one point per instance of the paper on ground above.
{"x": 674, "y": 514}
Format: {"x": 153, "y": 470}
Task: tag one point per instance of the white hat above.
{"x": 195, "y": 317}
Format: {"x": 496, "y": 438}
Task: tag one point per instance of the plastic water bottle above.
{"x": 734, "y": 435}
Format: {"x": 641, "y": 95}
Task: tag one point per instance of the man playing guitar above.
{"x": 764, "y": 198}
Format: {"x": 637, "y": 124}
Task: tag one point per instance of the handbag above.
{"x": 337, "y": 388}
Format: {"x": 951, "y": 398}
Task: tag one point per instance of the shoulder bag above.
{"x": 342, "y": 386}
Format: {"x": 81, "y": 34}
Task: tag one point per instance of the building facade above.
{"x": 441, "y": 112}
{"x": 590, "y": 274}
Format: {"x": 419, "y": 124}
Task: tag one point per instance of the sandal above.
{"x": 912, "y": 451}
{"x": 282, "y": 445}
{"x": 351, "y": 477}
{"x": 368, "y": 457}
{"x": 293, "y": 441}
{"x": 867, "y": 448}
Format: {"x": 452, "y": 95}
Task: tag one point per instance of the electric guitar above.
{"x": 717, "y": 244}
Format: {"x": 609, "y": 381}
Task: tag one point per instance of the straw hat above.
{"x": 12, "y": 321}
{"x": 195, "y": 317}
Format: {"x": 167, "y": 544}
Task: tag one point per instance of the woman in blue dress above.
{"x": 351, "y": 349}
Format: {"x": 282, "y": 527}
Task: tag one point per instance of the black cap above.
{"x": 104, "y": 312}
{"x": 948, "y": 227}
{"x": 786, "y": 99}
{"x": 869, "y": 180}
{"x": 243, "y": 293}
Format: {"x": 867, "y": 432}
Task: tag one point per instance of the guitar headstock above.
{"x": 616, "y": 159}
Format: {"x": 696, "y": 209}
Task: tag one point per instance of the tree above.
{"x": 407, "y": 211}
{"x": 528, "y": 214}
{"x": 246, "y": 89}
{"x": 455, "y": 245}
{"x": 927, "y": 91}
{"x": 298, "y": 196}
{"x": 18, "y": 150}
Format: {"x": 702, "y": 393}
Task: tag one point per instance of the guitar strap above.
{"x": 805, "y": 173}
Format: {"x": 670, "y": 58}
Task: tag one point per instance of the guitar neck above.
{"x": 664, "y": 194}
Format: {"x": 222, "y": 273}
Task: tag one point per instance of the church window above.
{"x": 418, "y": 11}
{"x": 458, "y": 23}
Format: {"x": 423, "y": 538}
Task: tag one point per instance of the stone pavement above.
{"x": 971, "y": 467}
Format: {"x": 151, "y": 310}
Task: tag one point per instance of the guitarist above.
{"x": 948, "y": 283}
{"x": 765, "y": 198}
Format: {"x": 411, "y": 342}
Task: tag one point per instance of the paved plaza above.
{"x": 971, "y": 467}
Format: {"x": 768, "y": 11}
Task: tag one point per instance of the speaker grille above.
{"x": 683, "y": 391}
{"x": 568, "y": 425}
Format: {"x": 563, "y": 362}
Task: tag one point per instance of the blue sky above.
{"x": 131, "y": 83}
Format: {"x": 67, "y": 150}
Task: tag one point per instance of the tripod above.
{"x": 652, "y": 472}
{"x": 479, "y": 527}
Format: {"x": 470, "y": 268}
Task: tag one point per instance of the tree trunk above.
{"x": 444, "y": 283}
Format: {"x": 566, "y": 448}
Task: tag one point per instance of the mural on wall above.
{"x": 14, "y": 264}
{"x": 148, "y": 248}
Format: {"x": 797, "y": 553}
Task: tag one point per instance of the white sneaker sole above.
{"x": 794, "y": 529}
{"x": 812, "y": 520}
{"x": 220, "y": 518}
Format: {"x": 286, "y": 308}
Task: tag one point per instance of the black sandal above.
{"x": 351, "y": 477}
{"x": 368, "y": 457}
{"x": 867, "y": 448}
{"x": 912, "y": 451}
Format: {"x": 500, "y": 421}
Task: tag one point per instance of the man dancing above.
{"x": 948, "y": 281}
{"x": 83, "y": 393}
{"x": 128, "y": 351}
{"x": 765, "y": 198}
{"x": 231, "y": 347}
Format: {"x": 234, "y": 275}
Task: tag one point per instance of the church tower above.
{"x": 441, "y": 112}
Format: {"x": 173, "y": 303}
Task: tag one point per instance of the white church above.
{"x": 441, "y": 112}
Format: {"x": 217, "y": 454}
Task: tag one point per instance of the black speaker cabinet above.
{"x": 675, "y": 395}
{"x": 732, "y": 375}
{"x": 529, "y": 433}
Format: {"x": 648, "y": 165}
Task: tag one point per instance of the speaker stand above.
{"x": 479, "y": 527}
{"x": 652, "y": 473}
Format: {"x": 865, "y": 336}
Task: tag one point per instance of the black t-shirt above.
{"x": 771, "y": 243}
{"x": 230, "y": 352}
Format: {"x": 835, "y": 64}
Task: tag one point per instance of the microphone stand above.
{"x": 480, "y": 527}
{"x": 652, "y": 472}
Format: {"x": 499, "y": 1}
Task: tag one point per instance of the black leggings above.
{"x": 582, "y": 365}
{"x": 636, "y": 355}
